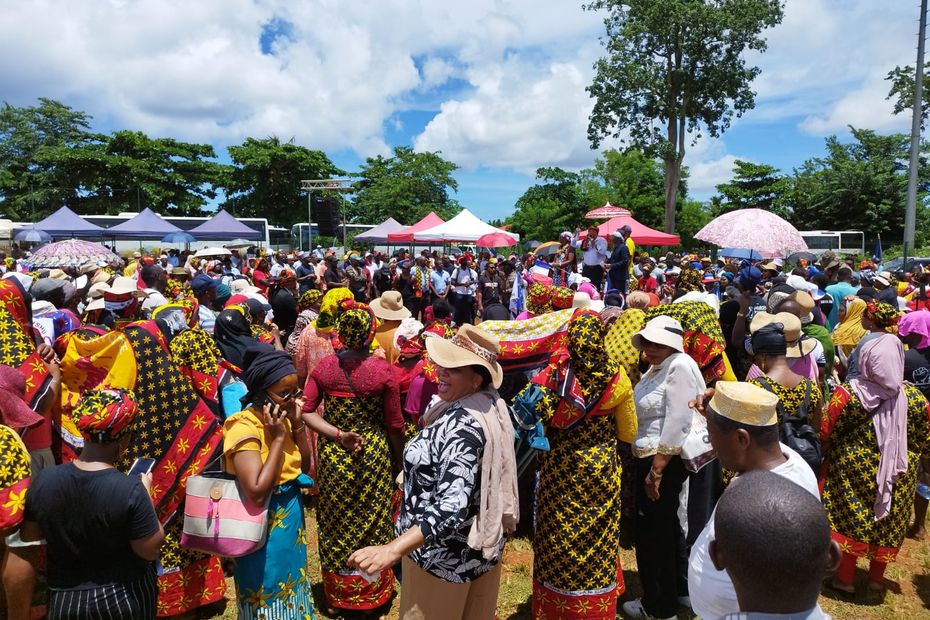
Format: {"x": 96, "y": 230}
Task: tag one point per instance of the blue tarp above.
{"x": 66, "y": 223}
{"x": 146, "y": 225}
{"x": 223, "y": 226}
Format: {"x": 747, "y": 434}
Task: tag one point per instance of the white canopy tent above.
{"x": 464, "y": 227}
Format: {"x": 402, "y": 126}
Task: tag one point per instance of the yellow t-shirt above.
{"x": 246, "y": 427}
{"x": 631, "y": 246}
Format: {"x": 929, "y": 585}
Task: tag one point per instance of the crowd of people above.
{"x": 752, "y": 428}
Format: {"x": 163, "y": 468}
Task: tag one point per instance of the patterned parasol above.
{"x": 753, "y": 229}
{"x": 607, "y": 212}
{"x": 70, "y": 253}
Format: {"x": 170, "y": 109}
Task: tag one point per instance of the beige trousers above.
{"x": 425, "y": 597}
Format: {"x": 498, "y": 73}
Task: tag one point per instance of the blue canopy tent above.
{"x": 224, "y": 227}
{"x": 146, "y": 225}
{"x": 66, "y": 223}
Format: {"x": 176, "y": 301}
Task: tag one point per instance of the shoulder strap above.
{"x": 225, "y": 452}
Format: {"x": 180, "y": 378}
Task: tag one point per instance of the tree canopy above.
{"x": 405, "y": 186}
{"x": 674, "y": 67}
{"x": 265, "y": 179}
{"x": 754, "y": 186}
{"x": 902, "y": 92}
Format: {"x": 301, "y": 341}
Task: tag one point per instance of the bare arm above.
{"x": 257, "y": 478}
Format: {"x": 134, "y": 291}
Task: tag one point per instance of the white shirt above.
{"x": 711, "y": 591}
{"x": 154, "y": 300}
{"x": 464, "y": 275}
{"x": 662, "y": 411}
{"x": 596, "y": 253}
{"x": 207, "y": 318}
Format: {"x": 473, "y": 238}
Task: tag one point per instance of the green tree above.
{"x": 265, "y": 179}
{"x": 634, "y": 181}
{"x": 692, "y": 217}
{"x": 405, "y": 186}
{"x": 902, "y": 92}
{"x": 754, "y": 186}
{"x": 28, "y": 187}
{"x": 129, "y": 171}
{"x": 556, "y": 204}
{"x": 859, "y": 185}
{"x": 678, "y": 63}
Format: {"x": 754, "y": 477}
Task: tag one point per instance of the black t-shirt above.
{"x": 284, "y": 305}
{"x": 917, "y": 369}
{"x": 333, "y": 278}
{"x": 405, "y": 288}
{"x": 490, "y": 289}
{"x": 88, "y": 519}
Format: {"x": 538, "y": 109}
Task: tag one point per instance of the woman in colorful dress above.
{"x": 360, "y": 446}
{"x": 460, "y": 489}
{"x": 265, "y": 447}
{"x": 576, "y": 566}
{"x": 850, "y": 330}
{"x": 875, "y": 433}
{"x": 308, "y": 304}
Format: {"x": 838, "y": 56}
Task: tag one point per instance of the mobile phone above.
{"x": 142, "y": 466}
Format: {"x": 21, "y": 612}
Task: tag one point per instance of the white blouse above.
{"x": 662, "y": 397}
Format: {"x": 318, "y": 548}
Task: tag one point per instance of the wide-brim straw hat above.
{"x": 122, "y": 285}
{"x": 471, "y": 346}
{"x": 661, "y": 330}
{"x": 390, "y": 307}
{"x": 797, "y": 345}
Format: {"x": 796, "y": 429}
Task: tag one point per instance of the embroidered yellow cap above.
{"x": 745, "y": 403}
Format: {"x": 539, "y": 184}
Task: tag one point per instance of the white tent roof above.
{"x": 464, "y": 227}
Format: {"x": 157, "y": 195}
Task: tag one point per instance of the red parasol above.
{"x": 606, "y": 212}
{"x": 495, "y": 240}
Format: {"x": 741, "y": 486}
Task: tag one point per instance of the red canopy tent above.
{"x": 406, "y": 235}
{"x": 642, "y": 234}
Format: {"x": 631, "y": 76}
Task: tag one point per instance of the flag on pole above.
{"x": 517, "y": 296}
{"x": 877, "y": 254}
{"x": 540, "y": 267}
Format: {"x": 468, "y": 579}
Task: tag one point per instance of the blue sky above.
{"x": 496, "y": 85}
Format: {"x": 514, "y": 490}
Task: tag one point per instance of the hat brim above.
{"x": 449, "y": 355}
{"x": 801, "y": 349}
{"x": 656, "y": 336}
{"x": 386, "y": 314}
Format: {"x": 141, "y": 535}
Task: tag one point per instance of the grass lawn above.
{"x": 908, "y": 594}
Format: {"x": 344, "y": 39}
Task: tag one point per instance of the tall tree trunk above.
{"x": 672, "y": 176}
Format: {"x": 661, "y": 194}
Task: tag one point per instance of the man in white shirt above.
{"x": 464, "y": 283}
{"x": 742, "y": 423}
{"x": 154, "y": 278}
{"x": 594, "y": 253}
{"x": 774, "y": 543}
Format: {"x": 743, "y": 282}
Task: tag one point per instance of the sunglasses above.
{"x": 290, "y": 395}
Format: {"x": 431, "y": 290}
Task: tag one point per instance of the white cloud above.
{"x": 865, "y": 107}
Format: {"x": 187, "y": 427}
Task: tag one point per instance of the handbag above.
{"x": 696, "y": 450}
{"x": 219, "y": 518}
{"x": 796, "y": 431}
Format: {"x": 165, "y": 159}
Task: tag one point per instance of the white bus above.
{"x": 840, "y": 241}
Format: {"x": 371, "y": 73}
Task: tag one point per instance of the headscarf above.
{"x": 262, "y": 367}
{"x": 14, "y": 411}
{"x": 562, "y": 297}
{"x": 104, "y": 416}
{"x": 310, "y": 298}
{"x": 917, "y": 322}
{"x": 884, "y": 315}
{"x": 770, "y": 340}
{"x": 538, "y": 298}
{"x": 233, "y": 334}
{"x": 881, "y": 392}
{"x": 590, "y": 362}
{"x": 850, "y": 330}
{"x": 330, "y": 308}
{"x": 689, "y": 279}
{"x": 355, "y": 327}
{"x": 286, "y": 276}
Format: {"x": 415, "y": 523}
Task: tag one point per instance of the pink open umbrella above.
{"x": 495, "y": 240}
{"x": 753, "y": 229}
{"x": 70, "y": 253}
{"x": 607, "y": 212}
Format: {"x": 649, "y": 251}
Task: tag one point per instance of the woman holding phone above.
{"x": 266, "y": 448}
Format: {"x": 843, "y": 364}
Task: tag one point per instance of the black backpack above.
{"x": 795, "y": 430}
{"x": 383, "y": 278}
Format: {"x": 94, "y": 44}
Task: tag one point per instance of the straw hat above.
{"x": 241, "y": 286}
{"x": 123, "y": 285}
{"x": 390, "y": 307}
{"x": 96, "y": 290}
{"x": 806, "y": 302}
{"x": 745, "y": 403}
{"x": 471, "y": 346}
{"x": 797, "y": 347}
{"x": 660, "y": 330}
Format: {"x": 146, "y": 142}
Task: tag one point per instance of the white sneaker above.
{"x": 634, "y": 609}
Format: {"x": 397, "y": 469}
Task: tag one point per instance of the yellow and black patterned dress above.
{"x": 792, "y": 398}
{"x": 356, "y": 488}
{"x": 849, "y": 486}
{"x": 576, "y": 564}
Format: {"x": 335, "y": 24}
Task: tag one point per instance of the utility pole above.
{"x": 338, "y": 185}
{"x": 910, "y": 215}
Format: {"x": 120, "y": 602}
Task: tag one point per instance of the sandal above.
{"x": 845, "y": 592}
